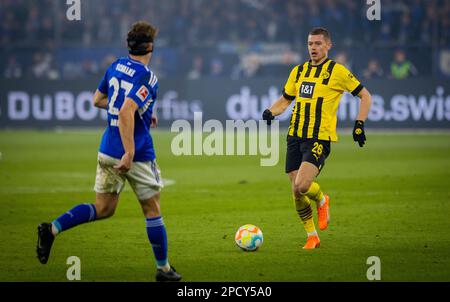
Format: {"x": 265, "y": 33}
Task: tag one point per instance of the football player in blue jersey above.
{"x": 128, "y": 92}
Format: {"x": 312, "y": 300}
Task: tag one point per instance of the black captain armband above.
{"x": 287, "y": 96}
{"x": 357, "y": 90}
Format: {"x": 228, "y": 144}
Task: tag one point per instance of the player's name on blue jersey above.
{"x": 126, "y": 70}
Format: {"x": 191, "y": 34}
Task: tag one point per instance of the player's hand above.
{"x": 125, "y": 163}
{"x": 267, "y": 116}
{"x": 154, "y": 122}
{"x": 358, "y": 133}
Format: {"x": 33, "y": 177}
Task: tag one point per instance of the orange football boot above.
{"x": 324, "y": 213}
{"x": 312, "y": 242}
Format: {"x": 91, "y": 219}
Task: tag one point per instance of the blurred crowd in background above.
{"x": 227, "y": 38}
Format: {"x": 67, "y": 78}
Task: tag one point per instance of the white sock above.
{"x": 322, "y": 202}
{"x": 165, "y": 268}
{"x": 312, "y": 234}
{"x": 54, "y": 230}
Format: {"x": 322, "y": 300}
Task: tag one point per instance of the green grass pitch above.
{"x": 390, "y": 199}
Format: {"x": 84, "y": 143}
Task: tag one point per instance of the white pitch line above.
{"x": 168, "y": 182}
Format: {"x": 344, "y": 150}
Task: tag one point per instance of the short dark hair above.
{"x": 139, "y": 38}
{"x": 321, "y": 31}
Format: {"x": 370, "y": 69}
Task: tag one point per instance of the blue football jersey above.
{"x": 127, "y": 78}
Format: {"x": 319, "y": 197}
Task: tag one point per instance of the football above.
{"x": 249, "y": 237}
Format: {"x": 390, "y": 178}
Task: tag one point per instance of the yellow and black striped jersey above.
{"x": 317, "y": 90}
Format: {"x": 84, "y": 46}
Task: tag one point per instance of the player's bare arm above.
{"x": 366, "y": 101}
{"x": 280, "y": 106}
{"x": 154, "y": 121}
{"x": 126, "y": 129}
{"x": 100, "y": 100}
{"x": 277, "y": 108}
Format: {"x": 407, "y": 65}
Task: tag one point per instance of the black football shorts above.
{"x": 310, "y": 150}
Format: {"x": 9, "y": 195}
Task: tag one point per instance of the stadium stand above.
{"x": 230, "y": 38}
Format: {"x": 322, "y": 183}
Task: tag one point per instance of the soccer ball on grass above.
{"x": 249, "y": 237}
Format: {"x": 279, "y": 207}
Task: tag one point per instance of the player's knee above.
{"x": 302, "y": 186}
{"x": 150, "y": 207}
{"x": 296, "y": 191}
{"x": 104, "y": 211}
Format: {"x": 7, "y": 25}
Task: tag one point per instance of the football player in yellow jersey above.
{"x": 317, "y": 87}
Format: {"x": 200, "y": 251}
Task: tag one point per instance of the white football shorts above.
{"x": 143, "y": 177}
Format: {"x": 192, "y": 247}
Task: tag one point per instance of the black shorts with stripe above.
{"x": 311, "y": 150}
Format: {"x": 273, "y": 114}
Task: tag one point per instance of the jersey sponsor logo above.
{"x": 307, "y": 89}
{"x": 142, "y": 93}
